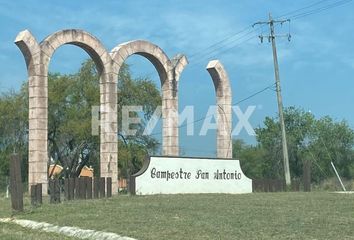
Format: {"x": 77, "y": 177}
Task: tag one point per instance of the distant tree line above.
{"x": 319, "y": 141}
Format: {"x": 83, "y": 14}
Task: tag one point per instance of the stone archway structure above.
{"x": 37, "y": 57}
{"x": 169, "y": 72}
{"x": 224, "y": 112}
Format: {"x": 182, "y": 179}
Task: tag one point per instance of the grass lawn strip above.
{"x": 67, "y": 231}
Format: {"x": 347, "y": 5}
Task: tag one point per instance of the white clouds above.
{"x": 320, "y": 42}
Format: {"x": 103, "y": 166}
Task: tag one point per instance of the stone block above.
{"x": 34, "y": 134}
{"x": 106, "y": 60}
{"x": 108, "y": 147}
{"x": 38, "y": 156}
{"x": 38, "y": 113}
{"x": 38, "y": 145}
{"x": 40, "y": 91}
{"x": 38, "y": 102}
{"x": 37, "y": 81}
{"x": 47, "y": 48}
{"x": 110, "y": 78}
{"x": 38, "y": 167}
{"x": 108, "y": 137}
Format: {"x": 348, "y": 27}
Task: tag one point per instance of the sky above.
{"x": 316, "y": 66}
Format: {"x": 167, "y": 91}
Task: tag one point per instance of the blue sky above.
{"x": 316, "y": 67}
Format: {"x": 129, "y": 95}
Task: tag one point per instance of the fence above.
{"x": 73, "y": 188}
{"x": 80, "y": 188}
{"x": 275, "y": 185}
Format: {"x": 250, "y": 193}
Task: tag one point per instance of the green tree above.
{"x": 71, "y": 143}
{"x": 251, "y": 158}
{"x": 319, "y": 141}
{"x": 13, "y": 128}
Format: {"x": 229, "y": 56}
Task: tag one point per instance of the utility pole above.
{"x": 271, "y": 38}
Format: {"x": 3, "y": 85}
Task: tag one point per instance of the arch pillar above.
{"x": 170, "y": 114}
{"x": 109, "y": 126}
{"x": 169, "y": 72}
{"x": 37, "y": 58}
{"x": 38, "y": 108}
{"x": 224, "y": 112}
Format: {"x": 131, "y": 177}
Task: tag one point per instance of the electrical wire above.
{"x": 314, "y": 159}
{"x": 207, "y": 53}
{"x": 211, "y": 115}
{"x": 300, "y": 9}
{"x": 293, "y": 15}
{"x": 320, "y": 9}
{"x": 219, "y": 42}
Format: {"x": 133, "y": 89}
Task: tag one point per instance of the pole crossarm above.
{"x": 270, "y": 22}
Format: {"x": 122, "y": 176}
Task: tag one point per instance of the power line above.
{"x": 256, "y": 93}
{"x": 313, "y": 157}
{"x": 220, "y": 42}
{"x": 213, "y": 49}
{"x": 320, "y": 9}
{"x": 293, "y": 15}
{"x": 211, "y": 115}
{"x": 224, "y": 50}
{"x": 222, "y": 46}
{"x": 300, "y": 9}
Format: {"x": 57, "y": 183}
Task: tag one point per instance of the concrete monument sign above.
{"x": 174, "y": 175}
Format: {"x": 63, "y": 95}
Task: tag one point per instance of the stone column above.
{"x": 109, "y": 125}
{"x": 170, "y": 117}
{"x": 224, "y": 112}
{"x": 170, "y": 141}
{"x": 36, "y": 61}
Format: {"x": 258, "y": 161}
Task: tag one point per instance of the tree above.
{"x": 319, "y": 141}
{"x": 136, "y": 92}
{"x": 251, "y": 158}
{"x": 70, "y": 98}
{"x": 13, "y": 128}
{"x": 70, "y": 131}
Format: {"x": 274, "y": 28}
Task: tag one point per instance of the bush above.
{"x": 3, "y": 184}
{"x": 332, "y": 184}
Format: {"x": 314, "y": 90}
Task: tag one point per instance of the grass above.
{"x": 14, "y": 232}
{"x": 316, "y": 215}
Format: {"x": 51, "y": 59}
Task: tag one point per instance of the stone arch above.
{"x": 37, "y": 57}
{"x": 224, "y": 113}
{"x": 169, "y": 72}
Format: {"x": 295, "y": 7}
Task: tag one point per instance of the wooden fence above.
{"x": 73, "y": 188}
{"x": 80, "y": 188}
{"x": 275, "y": 185}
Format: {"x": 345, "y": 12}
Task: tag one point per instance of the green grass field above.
{"x": 316, "y": 215}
